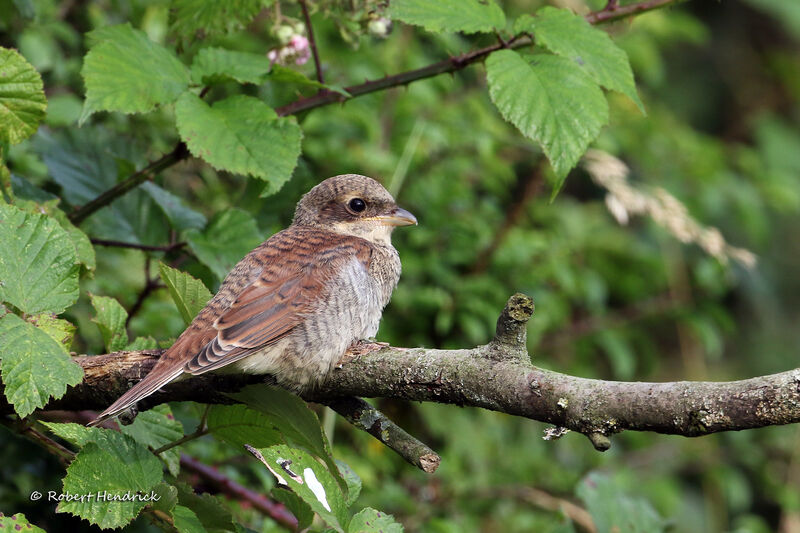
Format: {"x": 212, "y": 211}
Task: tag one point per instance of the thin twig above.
{"x": 366, "y": 418}
{"x": 612, "y": 11}
{"x": 274, "y": 510}
{"x": 137, "y": 246}
{"x": 311, "y": 41}
{"x": 202, "y": 429}
{"x": 151, "y": 284}
{"x": 131, "y": 182}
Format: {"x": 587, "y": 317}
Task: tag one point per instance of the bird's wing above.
{"x": 289, "y": 286}
{"x": 291, "y": 271}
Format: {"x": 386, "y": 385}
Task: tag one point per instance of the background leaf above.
{"x": 240, "y": 134}
{"x": 240, "y": 425}
{"x": 551, "y": 101}
{"x": 188, "y": 293}
{"x": 468, "y": 16}
{"x": 18, "y": 522}
{"x": 34, "y": 366}
{"x": 211, "y": 16}
{"x": 369, "y": 520}
{"x": 613, "y": 511}
{"x": 214, "y": 65}
{"x": 111, "y": 318}
{"x": 22, "y": 100}
{"x": 569, "y": 35}
{"x": 227, "y": 239}
{"x": 155, "y": 428}
{"x": 125, "y": 71}
{"x": 38, "y": 266}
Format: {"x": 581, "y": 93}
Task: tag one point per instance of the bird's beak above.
{"x": 399, "y": 217}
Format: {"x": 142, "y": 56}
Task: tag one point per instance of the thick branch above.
{"x": 497, "y": 376}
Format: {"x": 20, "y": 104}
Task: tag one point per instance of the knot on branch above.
{"x": 511, "y": 333}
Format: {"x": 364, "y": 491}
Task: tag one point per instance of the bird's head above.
{"x": 352, "y": 205}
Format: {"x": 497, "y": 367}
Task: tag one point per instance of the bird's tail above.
{"x": 150, "y": 384}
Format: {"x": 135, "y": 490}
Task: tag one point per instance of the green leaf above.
{"x": 215, "y": 65}
{"x": 34, "y": 366}
{"x": 299, "y": 508}
{"x": 155, "y": 428}
{"x": 240, "y": 425}
{"x": 212, "y": 513}
{"x": 213, "y": 16}
{"x": 188, "y": 293}
{"x": 77, "y": 434}
{"x": 240, "y": 134}
{"x": 613, "y": 510}
{"x": 119, "y": 472}
{"x": 294, "y": 420}
{"x": 22, "y": 100}
{"x": 287, "y": 75}
{"x": 369, "y": 520}
{"x": 38, "y": 266}
{"x": 230, "y": 235}
{"x": 142, "y": 343}
{"x": 467, "y": 16}
{"x": 551, "y": 100}
{"x": 111, "y": 318}
{"x": 127, "y": 72}
{"x": 308, "y": 479}
{"x": 186, "y": 521}
{"x": 352, "y": 480}
{"x": 180, "y": 216}
{"x": 62, "y": 331}
{"x": 18, "y": 522}
{"x": 569, "y": 35}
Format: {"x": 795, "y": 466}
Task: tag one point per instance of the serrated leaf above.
{"x": 22, "y": 100}
{"x": 110, "y": 319}
{"x": 186, "y": 521}
{"x": 215, "y": 65}
{"x": 240, "y": 425}
{"x": 60, "y": 330}
{"x": 212, "y": 513}
{"x": 352, "y": 480}
{"x": 569, "y": 35}
{"x": 38, "y": 265}
{"x": 230, "y": 235}
{"x": 612, "y": 510}
{"x": 34, "y": 367}
{"x": 283, "y": 74}
{"x": 551, "y": 100}
{"x": 167, "y": 498}
{"x": 77, "y": 434}
{"x": 18, "y": 522}
{"x": 294, "y": 420}
{"x": 83, "y": 246}
{"x": 369, "y": 520}
{"x": 467, "y": 16}
{"x": 213, "y": 16}
{"x": 127, "y": 72}
{"x": 180, "y": 216}
{"x": 188, "y": 293}
{"x": 310, "y": 480}
{"x": 299, "y": 508}
{"x": 155, "y": 428}
{"x": 240, "y": 134}
{"x": 142, "y": 343}
{"x": 119, "y": 468}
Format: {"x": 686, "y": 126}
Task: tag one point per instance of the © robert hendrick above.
{"x": 293, "y": 306}
{"x": 103, "y": 496}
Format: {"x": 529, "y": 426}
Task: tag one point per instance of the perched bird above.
{"x": 293, "y": 306}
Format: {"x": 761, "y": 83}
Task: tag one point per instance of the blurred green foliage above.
{"x": 722, "y": 134}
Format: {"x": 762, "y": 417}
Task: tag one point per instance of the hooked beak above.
{"x": 399, "y": 217}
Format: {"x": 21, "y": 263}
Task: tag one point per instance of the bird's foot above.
{"x": 359, "y": 348}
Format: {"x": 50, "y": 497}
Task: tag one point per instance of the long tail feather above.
{"x": 150, "y": 384}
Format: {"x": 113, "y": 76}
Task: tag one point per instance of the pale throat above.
{"x": 372, "y": 231}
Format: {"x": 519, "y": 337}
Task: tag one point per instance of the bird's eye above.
{"x": 357, "y": 205}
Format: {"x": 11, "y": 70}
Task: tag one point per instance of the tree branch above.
{"x": 497, "y": 376}
{"x": 311, "y": 41}
{"x": 137, "y": 246}
{"x": 609, "y": 13}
